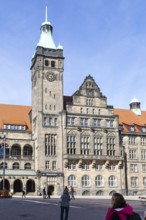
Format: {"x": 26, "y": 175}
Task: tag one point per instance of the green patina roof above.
{"x": 18, "y": 172}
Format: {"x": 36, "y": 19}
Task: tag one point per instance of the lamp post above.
{"x": 4, "y": 159}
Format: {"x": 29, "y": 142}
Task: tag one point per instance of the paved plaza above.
{"x": 48, "y": 209}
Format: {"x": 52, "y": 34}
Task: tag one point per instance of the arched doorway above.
{"x": 18, "y": 186}
{"x": 50, "y": 189}
{"x": 7, "y": 185}
{"x": 30, "y": 186}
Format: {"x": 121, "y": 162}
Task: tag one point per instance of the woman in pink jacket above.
{"x": 119, "y": 209}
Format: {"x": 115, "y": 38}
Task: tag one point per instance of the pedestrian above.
{"x": 72, "y": 192}
{"x": 64, "y": 204}
{"x": 23, "y": 193}
{"x": 44, "y": 193}
{"x": 119, "y": 209}
{"x": 49, "y": 193}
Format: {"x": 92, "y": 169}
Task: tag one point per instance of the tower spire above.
{"x": 46, "y": 14}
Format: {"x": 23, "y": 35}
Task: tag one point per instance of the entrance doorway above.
{"x": 18, "y": 186}
{"x": 30, "y": 186}
{"x": 50, "y": 189}
{"x": 7, "y": 185}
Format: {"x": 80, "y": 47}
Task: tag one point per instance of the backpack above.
{"x": 134, "y": 216}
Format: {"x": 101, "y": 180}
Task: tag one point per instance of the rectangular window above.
{"x": 50, "y": 144}
{"x": 50, "y": 121}
{"x": 132, "y": 154}
{"x": 109, "y": 123}
{"x": 96, "y": 122}
{"x": 144, "y": 168}
{"x": 47, "y": 165}
{"x": 71, "y": 144}
{"x": 110, "y": 146}
{"x": 83, "y": 121}
{"x": 98, "y": 166}
{"x": 54, "y": 165}
{"x": 98, "y": 147}
{"x": 84, "y": 145}
{"x": 70, "y": 121}
{"x": 85, "y": 166}
{"x": 143, "y": 141}
{"x": 133, "y": 168}
{"x": 144, "y": 181}
{"x": 55, "y": 121}
{"x": 143, "y": 154}
{"x": 134, "y": 182}
{"x": 112, "y": 167}
{"x": 131, "y": 140}
{"x": 89, "y": 102}
{"x": 71, "y": 165}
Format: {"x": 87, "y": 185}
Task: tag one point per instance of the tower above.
{"x": 47, "y": 103}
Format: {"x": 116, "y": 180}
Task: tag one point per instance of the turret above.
{"x": 135, "y": 106}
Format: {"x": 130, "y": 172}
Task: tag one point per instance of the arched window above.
{"x": 27, "y": 166}
{"x": 15, "y": 166}
{"x": 85, "y": 181}
{"x": 72, "y": 180}
{"x": 86, "y": 193}
{"x": 99, "y": 181}
{"x": 99, "y": 193}
{"x": 112, "y": 181}
{"x": 2, "y": 165}
{"x": 112, "y": 192}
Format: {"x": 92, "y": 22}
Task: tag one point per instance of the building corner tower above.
{"x": 47, "y": 108}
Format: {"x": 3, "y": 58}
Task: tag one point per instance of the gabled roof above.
{"x": 15, "y": 115}
{"x": 89, "y": 85}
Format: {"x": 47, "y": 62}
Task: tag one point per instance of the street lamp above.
{"x": 4, "y": 158}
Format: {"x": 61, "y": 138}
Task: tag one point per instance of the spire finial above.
{"x": 46, "y": 14}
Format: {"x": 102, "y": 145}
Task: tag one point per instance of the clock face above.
{"x": 50, "y": 76}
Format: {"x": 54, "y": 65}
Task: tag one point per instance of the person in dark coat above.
{"x": 64, "y": 204}
{"x": 44, "y": 193}
{"x": 49, "y": 193}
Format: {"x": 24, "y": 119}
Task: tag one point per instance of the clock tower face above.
{"x": 50, "y": 76}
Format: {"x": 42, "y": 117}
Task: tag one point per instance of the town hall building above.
{"x": 77, "y": 140}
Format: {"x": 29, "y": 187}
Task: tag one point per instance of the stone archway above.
{"x": 30, "y": 186}
{"x": 18, "y": 186}
{"x": 7, "y": 185}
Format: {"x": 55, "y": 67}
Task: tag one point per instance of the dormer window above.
{"x": 15, "y": 127}
{"x": 143, "y": 129}
{"x": 132, "y": 128}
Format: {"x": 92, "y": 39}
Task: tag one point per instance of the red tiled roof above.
{"x": 128, "y": 118}
{"x": 15, "y": 114}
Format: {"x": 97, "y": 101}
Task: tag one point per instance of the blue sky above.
{"x": 103, "y": 38}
